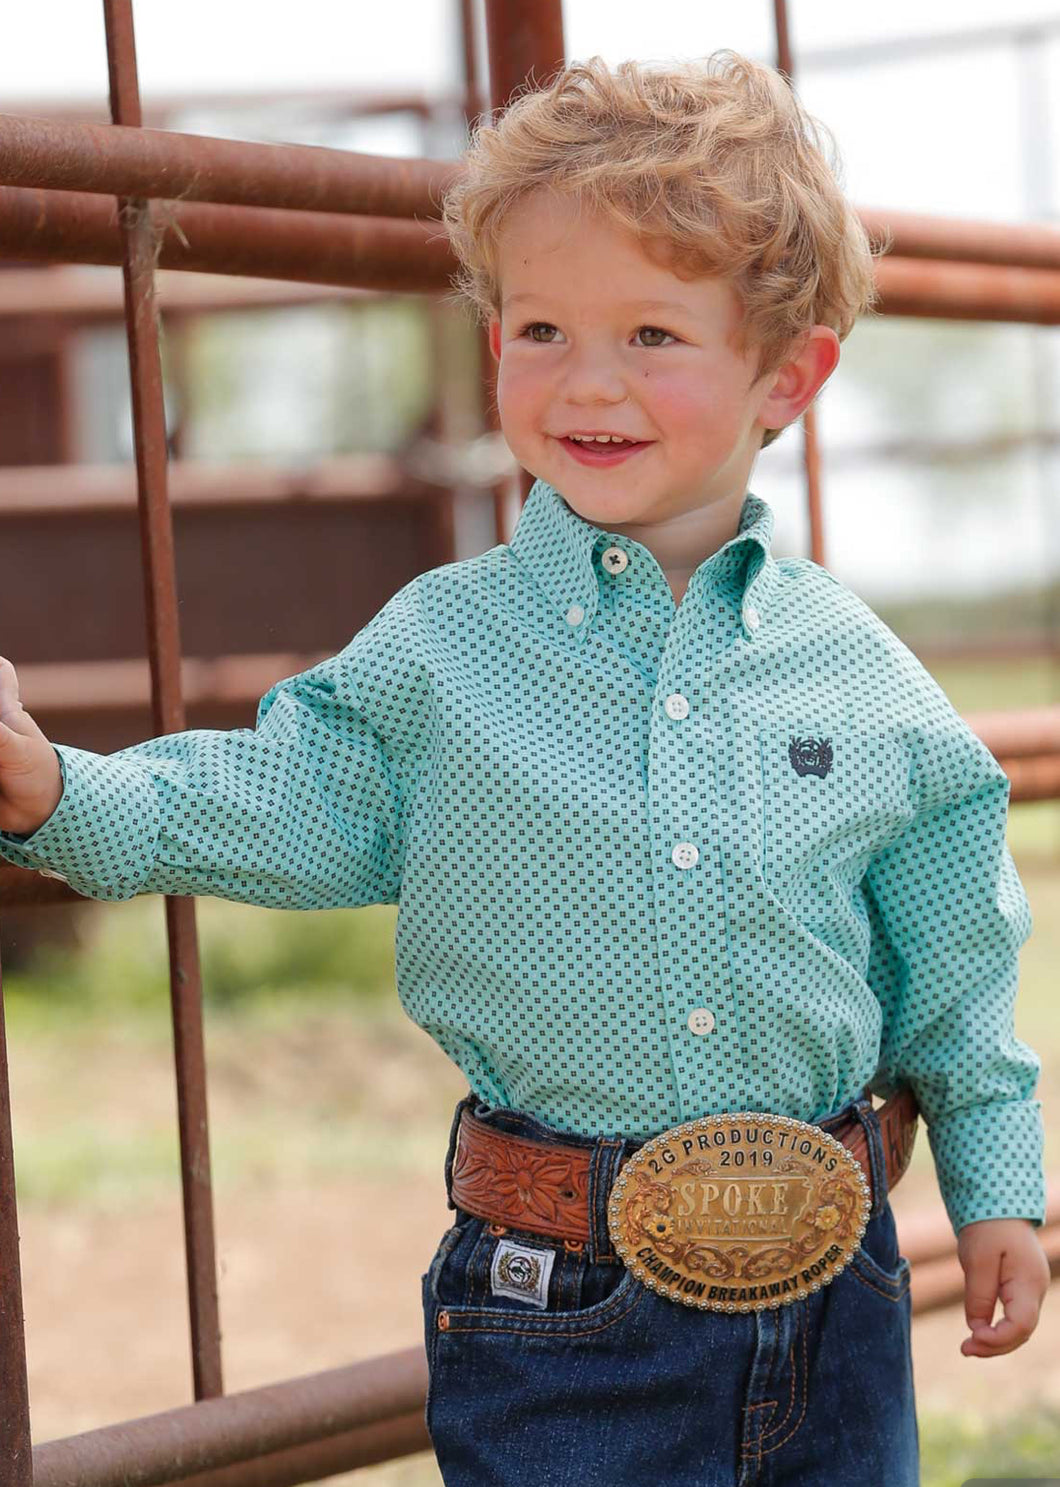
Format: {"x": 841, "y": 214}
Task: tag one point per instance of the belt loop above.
{"x": 870, "y": 1121}
{"x": 603, "y": 1167}
{"x": 461, "y": 1105}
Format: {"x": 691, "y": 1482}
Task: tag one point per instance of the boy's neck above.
{"x": 681, "y": 543}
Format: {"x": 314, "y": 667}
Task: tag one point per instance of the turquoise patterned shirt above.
{"x": 652, "y": 861}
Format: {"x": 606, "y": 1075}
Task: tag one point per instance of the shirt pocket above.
{"x": 829, "y": 797}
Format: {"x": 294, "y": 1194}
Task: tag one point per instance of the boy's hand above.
{"x": 31, "y": 780}
{"x": 1001, "y": 1258}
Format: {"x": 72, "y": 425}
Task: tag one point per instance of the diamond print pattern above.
{"x": 514, "y": 748}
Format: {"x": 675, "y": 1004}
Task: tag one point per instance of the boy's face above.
{"x": 579, "y": 353}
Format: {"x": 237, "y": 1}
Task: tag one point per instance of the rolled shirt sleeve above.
{"x": 300, "y": 812}
{"x": 948, "y": 916}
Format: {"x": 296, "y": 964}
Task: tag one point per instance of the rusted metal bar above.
{"x": 16, "y": 1462}
{"x": 405, "y": 1435}
{"x": 524, "y": 39}
{"x": 312, "y": 247}
{"x": 183, "y": 1443}
{"x": 162, "y": 164}
{"x": 167, "y": 710}
{"x": 968, "y": 291}
{"x": 1014, "y": 244}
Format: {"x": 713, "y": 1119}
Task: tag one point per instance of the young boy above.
{"x": 692, "y": 855}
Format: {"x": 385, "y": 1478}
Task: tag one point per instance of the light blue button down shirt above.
{"x": 652, "y": 861}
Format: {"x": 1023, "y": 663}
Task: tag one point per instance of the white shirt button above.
{"x": 46, "y": 872}
{"x": 685, "y": 854}
{"x": 676, "y": 705}
{"x": 615, "y": 560}
{"x": 701, "y": 1020}
{"x": 575, "y": 614}
{"x": 751, "y": 617}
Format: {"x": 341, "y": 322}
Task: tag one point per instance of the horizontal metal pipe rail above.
{"x": 197, "y": 1441}
{"x": 937, "y": 290}
{"x": 265, "y": 242}
{"x": 120, "y": 161}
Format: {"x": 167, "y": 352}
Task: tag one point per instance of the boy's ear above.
{"x": 799, "y": 380}
{"x": 495, "y": 336}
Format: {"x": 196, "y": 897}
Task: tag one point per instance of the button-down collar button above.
{"x": 751, "y": 618}
{"x": 701, "y": 1020}
{"x": 575, "y": 614}
{"x": 685, "y": 854}
{"x": 676, "y": 705}
{"x": 46, "y": 872}
{"x": 615, "y": 560}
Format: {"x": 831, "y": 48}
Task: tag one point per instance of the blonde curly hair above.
{"x": 714, "y": 165}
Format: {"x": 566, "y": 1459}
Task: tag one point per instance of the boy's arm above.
{"x": 300, "y": 812}
{"x": 948, "y": 915}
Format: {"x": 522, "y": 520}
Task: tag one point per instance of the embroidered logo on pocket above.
{"x": 811, "y": 755}
{"x": 522, "y": 1272}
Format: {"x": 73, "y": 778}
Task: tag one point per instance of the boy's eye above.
{"x": 545, "y": 325}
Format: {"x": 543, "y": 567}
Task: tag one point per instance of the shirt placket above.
{"x": 683, "y": 813}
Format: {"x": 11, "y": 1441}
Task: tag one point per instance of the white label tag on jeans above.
{"x": 522, "y": 1272}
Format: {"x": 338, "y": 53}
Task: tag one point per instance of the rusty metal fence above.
{"x": 80, "y": 192}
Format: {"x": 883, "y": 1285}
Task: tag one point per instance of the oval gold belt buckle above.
{"x": 740, "y": 1211}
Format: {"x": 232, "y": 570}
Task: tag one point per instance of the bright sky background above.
{"x": 962, "y": 133}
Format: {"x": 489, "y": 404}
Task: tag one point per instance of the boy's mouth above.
{"x": 602, "y": 454}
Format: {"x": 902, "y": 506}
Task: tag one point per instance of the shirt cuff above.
{"x": 989, "y": 1162}
{"x": 102, "y": 836}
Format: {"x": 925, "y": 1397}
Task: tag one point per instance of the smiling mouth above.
{"x": 589, "y": 453}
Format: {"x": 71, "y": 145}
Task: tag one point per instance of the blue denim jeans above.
{"x": 613, "y": 1385}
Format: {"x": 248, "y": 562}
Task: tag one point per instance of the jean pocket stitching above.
{"x": 805, "y": 1380}
{"x": 626, "y": 1295}
{"x": 874, "y": 1277}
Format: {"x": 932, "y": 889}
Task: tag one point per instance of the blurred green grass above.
{"x": 954, "y": 1449}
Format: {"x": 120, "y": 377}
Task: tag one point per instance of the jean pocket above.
{"x": 519, "y": 1281}
{"x": 877, "y": 1262}
{"x": 829, "y": 797}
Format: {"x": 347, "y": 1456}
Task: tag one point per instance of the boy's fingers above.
{"x": 982, "y": 1276}
{"x": 9, "y": 699}
{"x": 1010, "y": 1331}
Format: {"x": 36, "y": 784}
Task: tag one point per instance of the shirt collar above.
{"x": 564, "y": 551}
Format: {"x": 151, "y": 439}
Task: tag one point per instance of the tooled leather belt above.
{"x": 543, "y": 1186}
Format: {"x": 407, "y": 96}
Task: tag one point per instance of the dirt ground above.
{"x": 319, "y": 1253}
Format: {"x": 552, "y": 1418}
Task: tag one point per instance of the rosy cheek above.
{"x": 680, "y": 404}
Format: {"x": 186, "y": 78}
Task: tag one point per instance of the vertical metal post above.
{"x": 16, "y": 1457}
{"x": 167, "y": 708}
{"x": 810, "y": 450}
